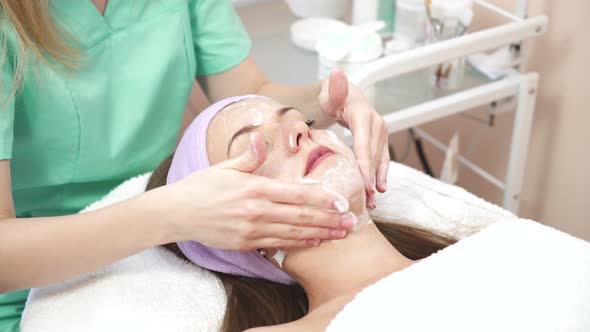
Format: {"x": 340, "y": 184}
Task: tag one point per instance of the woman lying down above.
{"x": 291, "y": 289}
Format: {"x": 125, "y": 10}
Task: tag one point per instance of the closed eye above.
{"x": 310, "y": 123}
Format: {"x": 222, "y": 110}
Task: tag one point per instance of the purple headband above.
{"x": 191, "y": 156}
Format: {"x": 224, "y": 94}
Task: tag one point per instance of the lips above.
{"x": 316, "y": 157}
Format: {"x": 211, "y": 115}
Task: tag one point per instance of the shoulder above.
{"x": 264, "y": 329}
{"x": 304, "y": 324}
{"x": 273, "y": 328}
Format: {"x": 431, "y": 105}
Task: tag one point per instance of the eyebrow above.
{"x": 248, "y": 128}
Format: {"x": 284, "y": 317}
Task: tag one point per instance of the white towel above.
{"x": 151, "y": 291}
{"x": 156, "y": 291}
{"x": 416, "y": 198}
{"x": 513, "y": 276}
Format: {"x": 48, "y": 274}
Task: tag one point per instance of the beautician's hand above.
{"x": 226, "y": 207}
{"x": 350, "y": 107}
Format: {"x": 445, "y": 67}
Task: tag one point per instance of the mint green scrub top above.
{"x": 72, "y": 137}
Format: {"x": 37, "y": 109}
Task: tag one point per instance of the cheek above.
{"x": 279, "y": 167}
{"x": 342, "y": 174}
{"x": 343, "y": 177}
{"x": 266, "y": 170}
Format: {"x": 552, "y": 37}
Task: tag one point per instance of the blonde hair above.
{"x": 38, "y": 37}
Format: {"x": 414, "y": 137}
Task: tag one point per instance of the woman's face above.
{"x": 295, "y": 151}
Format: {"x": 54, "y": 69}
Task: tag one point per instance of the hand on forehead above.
{"x": 233, "y": 125}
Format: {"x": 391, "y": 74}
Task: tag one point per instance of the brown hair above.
{"x": 37, "y": 34}
{"x": 253, "y": 302}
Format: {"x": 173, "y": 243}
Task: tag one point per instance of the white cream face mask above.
{"x": 279, "y": 257}
{"x": 295, "y": 152}
{"x": 340, "y": 174}
{"x": 243, "y": 116}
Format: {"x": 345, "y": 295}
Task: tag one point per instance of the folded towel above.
{"x": 513, "y": 276}
{"x": 418, "y": 199}
{"x": 156, "y": 291}
{"x": 151, "y": 291}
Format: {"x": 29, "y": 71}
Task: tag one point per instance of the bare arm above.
{"x": 40, "y": 251}
{"x": 6, "y": 206}
{"x": 248, "y": 78}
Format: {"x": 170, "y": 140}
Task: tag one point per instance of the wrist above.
{"x": 154, "y": 216}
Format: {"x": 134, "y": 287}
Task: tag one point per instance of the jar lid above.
{"x": 305, "y": 32}
{"x": 369, "y": 49}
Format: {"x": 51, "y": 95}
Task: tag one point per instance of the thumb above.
{"x": 337, "y": 94}
{"x": 250, "y": 160}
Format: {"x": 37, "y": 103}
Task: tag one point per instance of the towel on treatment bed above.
{"x": 512, "y": 276}
{"x": 156, "y": 291}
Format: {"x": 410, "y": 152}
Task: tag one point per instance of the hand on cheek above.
{"x": 348, "y": 105}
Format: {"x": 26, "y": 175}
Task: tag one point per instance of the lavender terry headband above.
{"x": 191, "y": 156}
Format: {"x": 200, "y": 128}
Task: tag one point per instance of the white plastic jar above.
{"x": 364, "y": 52}
{"x": 363, "y": 11}
{"x": 370, "y": 49}
{"x": 411, "y": 21}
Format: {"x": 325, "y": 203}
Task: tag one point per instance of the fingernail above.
{"x": 341, "y": 204}
{"x": 371, "y": 204}
{"x": 337, "y": 233}
{"x": 349, "y": 221}
{"x": 314, "y": 242}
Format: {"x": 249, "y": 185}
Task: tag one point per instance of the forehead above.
{"x": 233, "y": 117}
{"x": 248, "y": 112}
{"x": 249, "y": 109}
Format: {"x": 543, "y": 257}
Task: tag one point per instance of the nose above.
{"x": 298, "y": 135}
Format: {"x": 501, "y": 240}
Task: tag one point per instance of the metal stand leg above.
{"x": 522, "y": 8}
{"x": 521, "y": 132}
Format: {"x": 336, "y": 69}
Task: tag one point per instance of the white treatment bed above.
{"x": 513, "y": 275}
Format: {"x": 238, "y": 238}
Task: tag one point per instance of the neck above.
{"x": 340, "y": 269}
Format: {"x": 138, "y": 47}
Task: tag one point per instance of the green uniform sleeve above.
{"x": 6, "y": 110}
{"x": 219, "y": 37}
